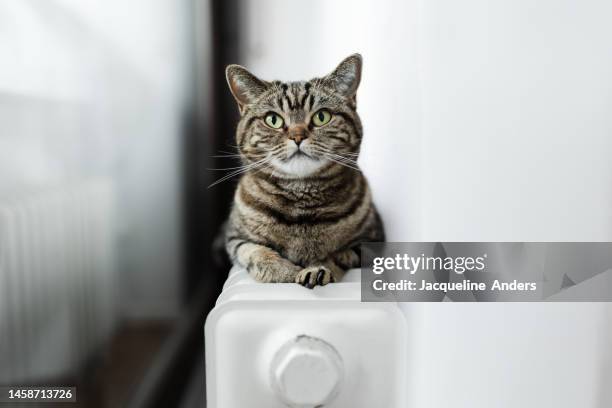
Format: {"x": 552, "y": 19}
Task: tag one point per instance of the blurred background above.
{"x": 484, "y": 121}
{"x": 110, "y": 113}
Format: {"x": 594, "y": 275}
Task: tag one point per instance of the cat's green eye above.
{"x": 273, "y": 120}
{"x": 321, "y": 117}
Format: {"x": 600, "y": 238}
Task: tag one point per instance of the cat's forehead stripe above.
{"x": 291, "y": 97}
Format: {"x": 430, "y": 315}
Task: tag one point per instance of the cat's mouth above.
{"x": 300, "y": 153}
{"x": 298, "y": 164}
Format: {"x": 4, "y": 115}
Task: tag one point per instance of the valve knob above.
{"x": 306, "y": 372}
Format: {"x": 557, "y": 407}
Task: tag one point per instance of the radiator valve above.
{"x": 306, "y": 372}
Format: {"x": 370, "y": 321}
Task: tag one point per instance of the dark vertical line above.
{"x": 211, "y": 129}
{"x": 227, "y": 50}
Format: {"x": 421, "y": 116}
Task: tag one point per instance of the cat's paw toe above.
{"x": 313, "y": 276}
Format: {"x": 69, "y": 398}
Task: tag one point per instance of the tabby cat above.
{"x": 302, "y": 206}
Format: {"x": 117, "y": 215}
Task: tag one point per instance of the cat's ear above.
{"x": 345, "y": 78}
{"x": 245, "y": 86}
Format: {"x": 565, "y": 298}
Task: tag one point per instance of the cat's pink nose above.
{"x": 298, "y": 133}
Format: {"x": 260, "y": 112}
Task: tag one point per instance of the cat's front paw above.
{"x": 313, "y": 276}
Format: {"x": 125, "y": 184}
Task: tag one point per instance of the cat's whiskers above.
{"x": 343, "y": 153}
{"x": 243, "y": 169}
{"x": 222, "y": 156}
{"x": 341, "y": 162}
{"x": 258, "y": 165}
{"x": 326, "y": 149}
{"x": 260, "y": 157}
{"x": 337, "y": 158}
{"x": 235, "y": 156}
{"x": 342, "y": 158}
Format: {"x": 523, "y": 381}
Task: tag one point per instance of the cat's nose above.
{"x": 298, "y": 133}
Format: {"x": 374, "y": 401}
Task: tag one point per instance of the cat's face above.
{"x": 298, "y": 128}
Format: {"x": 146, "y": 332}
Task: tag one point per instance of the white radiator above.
{"x": 282, "y": 345}
{"x": 57, "y": 283}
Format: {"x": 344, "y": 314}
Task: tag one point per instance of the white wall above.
{"x": 516, "y": 126}
{"x": 516, "y": 142}
{"x": 507, "y": 355}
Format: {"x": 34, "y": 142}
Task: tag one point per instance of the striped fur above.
{"x": 302, "y": 205}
